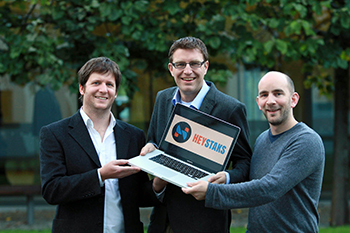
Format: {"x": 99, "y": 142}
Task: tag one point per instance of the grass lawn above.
{"x": 344, "y": 229}
{"x": 322, "y": 230}
{"x": 335, "y": 229}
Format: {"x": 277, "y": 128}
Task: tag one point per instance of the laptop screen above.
{"x": 199, "y": 139}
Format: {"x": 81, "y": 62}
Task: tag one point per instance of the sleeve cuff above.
{"x": 99, "y": 178}
{"x": 155, "y": 145}
{"x": 227, "y": 177}
{"x": 160, "y": 195}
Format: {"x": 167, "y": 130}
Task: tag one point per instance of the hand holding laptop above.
{"x": 218, "y": 178}
{"x": 149, "y": 147}
{"x": 117, "y": 169}
{"x": 158, "y": 184}
{"x": 197, "y": 189}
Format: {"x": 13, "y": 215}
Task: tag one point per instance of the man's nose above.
{"x": 187, "y": 69}
{"x": 271, "y": 99}
{"x": 103, "y": 87}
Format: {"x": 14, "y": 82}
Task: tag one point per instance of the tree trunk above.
{"x": 340, "y": 208}
{"x": 307, "y": 111}
{"x": 0, "y": 111}
{"x": 150, "y": 93}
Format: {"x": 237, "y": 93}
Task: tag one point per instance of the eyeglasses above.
{"x": 182, "y": 65}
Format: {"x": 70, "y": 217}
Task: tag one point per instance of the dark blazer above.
{"x": 184, "y": 212}
{"x": 69, "y": 178}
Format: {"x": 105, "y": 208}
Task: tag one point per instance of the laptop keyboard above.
{"x": 178, "y": 166}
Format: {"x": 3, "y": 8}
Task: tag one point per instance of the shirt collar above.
{"x": 197, "y": 102}
{"x": 88, "y": 122}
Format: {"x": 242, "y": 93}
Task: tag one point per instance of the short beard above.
{"x": 279, "y": 121}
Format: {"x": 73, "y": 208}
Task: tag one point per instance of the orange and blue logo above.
{"x": 209, "y": 143}
{"x": 181, "y": 132}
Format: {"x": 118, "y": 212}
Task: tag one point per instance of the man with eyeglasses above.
{"x": 188, "y": 64}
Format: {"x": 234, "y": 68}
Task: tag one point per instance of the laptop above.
{"x": 194, "y": 146}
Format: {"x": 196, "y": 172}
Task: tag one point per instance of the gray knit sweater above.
{"x": 286, "y": 178}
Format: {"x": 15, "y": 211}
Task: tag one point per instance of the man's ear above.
{"x": 81, "y": 90}
{"x": 295, "y": 99}
{"x": 206, "y": 66}
{"x": 171, "y": 69}
{"x": 257, "y": 101}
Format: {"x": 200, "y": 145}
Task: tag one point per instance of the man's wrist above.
{"x": 99, "y": 178}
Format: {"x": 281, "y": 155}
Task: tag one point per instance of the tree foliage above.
{"x": 47, "y": 41}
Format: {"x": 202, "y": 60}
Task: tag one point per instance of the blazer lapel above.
{"x": 81, "y": 135}
{"x": 122, "y": 137}
{"x": 169, "y": 108}
{"x": 209, "y": 100}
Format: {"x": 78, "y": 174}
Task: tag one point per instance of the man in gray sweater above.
{"x": 286, "y": 168}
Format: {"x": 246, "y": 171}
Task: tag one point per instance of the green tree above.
{"x": 47, "y": 41}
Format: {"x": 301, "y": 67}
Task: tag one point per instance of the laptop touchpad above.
{"x": 163, "y": 171}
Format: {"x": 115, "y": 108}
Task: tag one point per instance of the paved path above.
{"x": 13, "y": 214}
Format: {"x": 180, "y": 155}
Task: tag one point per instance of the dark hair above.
{"x": 188, "y": 43}
{"x": 100, "y": 65}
